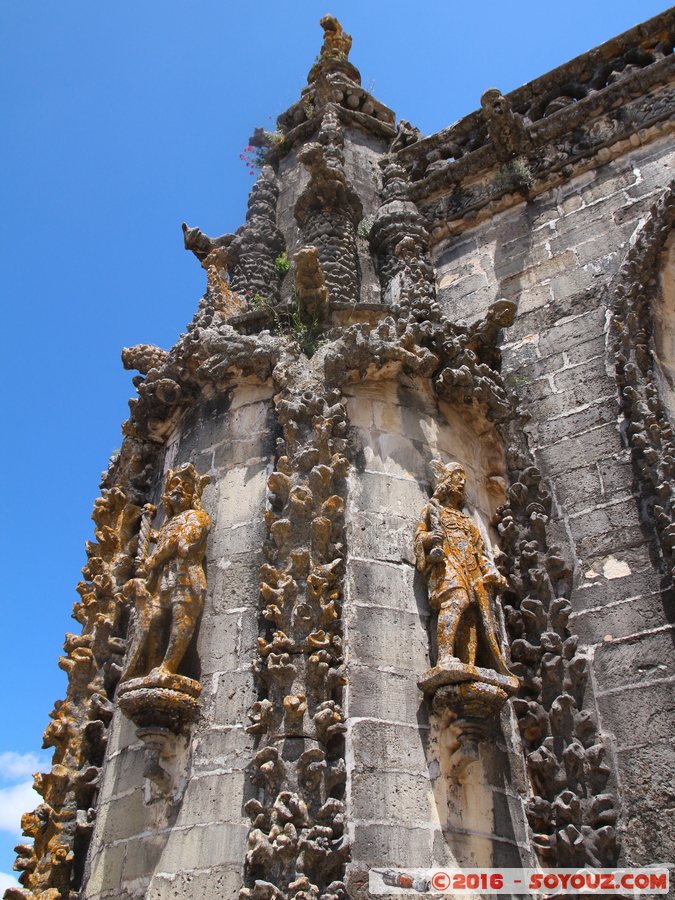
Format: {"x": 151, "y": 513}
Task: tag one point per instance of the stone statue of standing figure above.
{"x": 168, "y": 594}
{"x": 451, "y": 555}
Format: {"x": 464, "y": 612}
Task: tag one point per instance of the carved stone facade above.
{"x": 409, "y": 599}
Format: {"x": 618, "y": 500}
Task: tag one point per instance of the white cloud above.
{"x": 16, "y": 766}
{"x": 14, "y": 802}
{"x": 7, "y": 881}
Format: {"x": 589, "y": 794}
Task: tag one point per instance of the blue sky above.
{"x": 121, "y": 121}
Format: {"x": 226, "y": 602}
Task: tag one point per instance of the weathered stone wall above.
{"x": 557, "y": 256}
{"x": 197, "y": 845}
{"x": 385, "y": 355}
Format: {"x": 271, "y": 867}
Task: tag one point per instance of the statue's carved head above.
{"x": 450, "y": 480}
{"x": 494, "y": 103}
{"x": 183, "y": 489}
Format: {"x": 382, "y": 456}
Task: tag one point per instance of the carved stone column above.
{"x": 329, "y": 209}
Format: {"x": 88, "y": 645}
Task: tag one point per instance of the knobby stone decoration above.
{"x": 470, "y": 678}
{"x": 297, "y": 845}
{"x": 329, "y": 209}
{"x": 51, "y": 867}
{"x": 573, "y": 810}
{"x": 167, "y": 596}
{"x": 258, "y": 244}
{"x": 648, "y": 430}
{"x": 399, "y": 240}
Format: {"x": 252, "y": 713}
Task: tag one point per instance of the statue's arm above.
{"x": 423, "y": 540}
{"x": 193, "y": 536}
{"x": 168, "y": 547}
{"x": 491, "y": 575}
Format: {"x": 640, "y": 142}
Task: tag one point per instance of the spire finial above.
{"x": 336, "y": 42}
{"x": 334, "y": 55}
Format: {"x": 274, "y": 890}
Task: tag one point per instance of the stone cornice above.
{"x": 584, "y": 113}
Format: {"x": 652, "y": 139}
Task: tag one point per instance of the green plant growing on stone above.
{"x": 308, "y": 334}
{"x": 257, "y": 301}
{"x": 282, "y": 263}
{"x": 514, "y": 176}
{"x": 253, "y": 157}
{"x": 278, "y": 141}
{"x": 364, "y": 228}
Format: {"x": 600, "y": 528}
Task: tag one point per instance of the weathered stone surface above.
{"x": 389, "y": 695}
{"x": 497, "y": 295}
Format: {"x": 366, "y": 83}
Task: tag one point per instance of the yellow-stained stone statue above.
{"x": 336, "y": 42}
{"x": 169, "y": 593}
{"x": 460, "y": 576}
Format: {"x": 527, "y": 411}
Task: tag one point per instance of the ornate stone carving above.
{"x": 168, "y": 592}
{"x": 257, "y": 244}
{"x": 470, "y": 676}
{"x": 572, "y": 812}
{"x": 406, "y": 136}
{"x": 336, "y": 42}
{"x": 334, "y": 53}
{"x": 143, "y": 358}
{"x": 329, "y": 209}
{"x": 333, "y": 81}
{"x": 451, "y": 554}
{"x": 310, "y": 286}
{"x": 563, "y": 124}
{"x": 297, "y": 847}
{"x": 507, "y": 131}
{"x": 649, "y": 431}
{"x": 400, "y": 241}
{"x": 216, "y": 257}
{"x": 61, "y": 826}
{"x": 203, "y": 246}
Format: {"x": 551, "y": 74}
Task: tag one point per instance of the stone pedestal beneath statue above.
{"x": 457, "y": 672}
{"x": 163, "y": 707}
{"x": 160, "y": 700}
{"x": 472, "y": 695}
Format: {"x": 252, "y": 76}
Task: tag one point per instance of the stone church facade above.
{"x": 382, "y": 575}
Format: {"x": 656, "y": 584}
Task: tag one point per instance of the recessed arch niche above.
{"x": 398, "y": 747}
